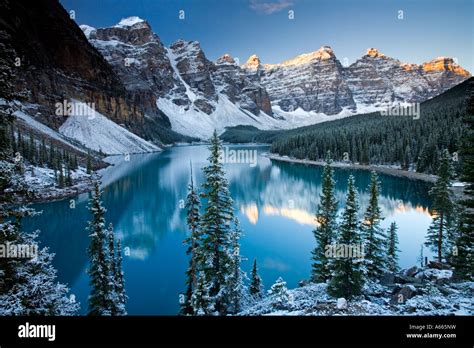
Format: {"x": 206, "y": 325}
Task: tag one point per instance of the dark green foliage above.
{"x": 327, "y": 226}
{"x": 392, "y": 248}
{"x": 347, "y": 276}
{"x": 442, "y": 208}
{"x": 372, "y": 138}
{"x": 372, "y": 233}
{"x": 256, "y": 286}
{"x": 463, "y": 251}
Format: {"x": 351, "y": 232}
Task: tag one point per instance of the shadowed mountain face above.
{"x": 54, "y": 61}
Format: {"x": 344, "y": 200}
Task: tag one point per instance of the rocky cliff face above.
{"x": 312, "y": 82}
{"x": 57, "y": 63}
{"x": 180, "y": 73}
{"x": 317, "y": 81}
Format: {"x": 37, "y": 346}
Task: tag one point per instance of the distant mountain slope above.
{"x": 199, "y": 96}
{"x": 100, "y": 134}
{"x": 372, "y": 137}
{"x": 52, "y": 62}
{"x": 410, "y": 142}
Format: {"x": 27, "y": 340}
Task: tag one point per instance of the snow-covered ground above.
{"x": 97, "y": 132}
{"x": 432, "y": 297}
{"x": 41, "y": 181}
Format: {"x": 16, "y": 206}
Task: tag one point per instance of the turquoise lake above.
{"x": 275, "y": 201}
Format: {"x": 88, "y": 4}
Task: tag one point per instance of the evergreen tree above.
{"x": 279, "y": 293}
{"x": 392, "y": 248}
{"x": 200, "y": 299}
{"x": 193, "y": 220}
{"x": 372, "y": 234}
{"x": 99, "y": 298}
{"x": 120, "y": 282}
{"x": 347, "y": 277}
{"x": 256, "y": 285}
{"x": 117, "y": 296}
{"x": 216, "y": 226}
{"x": 29, "y": 286}
{"x": 463, "y": 253}
{"x": 327, "y": 225}
{"x": 89, "y": 163}
{"x": 442, "y": 208}
{"x": 236, "y": 290}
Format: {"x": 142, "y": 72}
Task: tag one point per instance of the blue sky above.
{"x": 429, "y": 28}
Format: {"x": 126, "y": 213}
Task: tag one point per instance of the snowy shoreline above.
{"x": 378, "y": 168}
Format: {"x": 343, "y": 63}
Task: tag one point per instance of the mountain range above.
{"x": 166, "y": 94}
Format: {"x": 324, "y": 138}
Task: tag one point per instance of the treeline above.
{"x": 373, "y": 138}
{"x": 35, "y": 151}
{"x": 393, "y": 140}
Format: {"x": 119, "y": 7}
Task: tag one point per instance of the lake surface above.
{"x": 275, "y": 201}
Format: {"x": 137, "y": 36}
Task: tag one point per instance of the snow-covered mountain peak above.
{"x": 253, "y": 63}
{"x": 131, "y": 22}
{"x": 323, "y": 53}
{"x": 444, "y": 64}
{"x": 374, "y": 53}
{"x": 225, "y": 59}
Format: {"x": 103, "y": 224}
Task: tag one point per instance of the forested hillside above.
{"x": 372, "y": 138}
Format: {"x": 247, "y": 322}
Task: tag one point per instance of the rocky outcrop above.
{"x": 57, "y": 63}
{"x": 317, "y": 81}
{"x": 312, "y": 82}
{"x": 181, "y": 73}
{"x": 240, "y": 88}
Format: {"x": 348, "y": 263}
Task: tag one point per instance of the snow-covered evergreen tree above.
{"x": 216, "y": 227}
{"x": 372, "y": 233}
{"x": 392, "y": 248}
{"x": 347, "y": 274}
{"x": 256, "y": 284}
{"x": 462, "y": 252}
{"x": 36, "y": 290}
{"x": 442, "y": 208}
{"x": 327, "y": 225}
{"x": 201, "y": 302}
{"x": 193, "y": 241}
{"x": 236, "y": 289}
{"x": 101, "y": 290}
{"x": 279, "y": 293}
{"x": 120, "y": 282}
{"x": 28, "y": 286}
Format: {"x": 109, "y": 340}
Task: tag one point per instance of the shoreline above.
{"x": 378, "y": 168}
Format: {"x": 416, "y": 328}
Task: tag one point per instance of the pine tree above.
{"x": 193, "y": 220}
{"x": 347, "y": 277}
{"x": 327, "y": 225}
{"x": 116, "y": 296}
{"x": 372, "y": 234}
{"x": 256, "y": 286}
{"x": 120, "y": 282}
{"x": 30, "y": 286}
{"x": 89, "y": 163}
{"x": 216, "y": 226}
{"x": 236, "y": 290}
{"x": 99, "y": 268}
{"x": 279, "y": 293}
{"x": 392, "y": 248}
{"x": 442, "y": 207}
{"x": 200, "y": 299}
{"x": 463, "y": 253}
